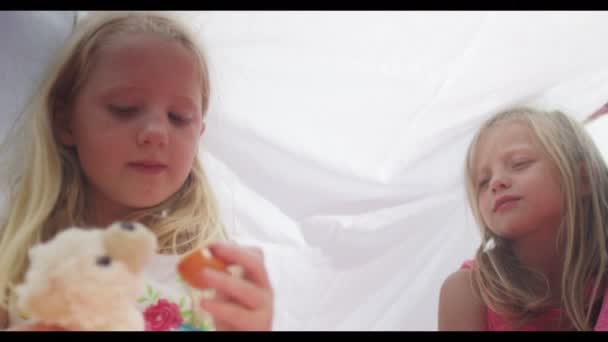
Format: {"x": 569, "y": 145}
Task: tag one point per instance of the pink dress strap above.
{"x": 467, "y": 264}
{"x": 602, "y": 319}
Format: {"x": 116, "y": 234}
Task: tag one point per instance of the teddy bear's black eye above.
{"x": 127, "y": 226}
{"x": 104, "y": 260}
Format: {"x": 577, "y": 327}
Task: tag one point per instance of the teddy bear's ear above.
{"x": 132, "y": 243}
{"x": 34, "y": 252}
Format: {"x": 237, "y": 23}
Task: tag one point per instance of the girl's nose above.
{"x": 500, "y": 183}
{"x": 154, "y": 131}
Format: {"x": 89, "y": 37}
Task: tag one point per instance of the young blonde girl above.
{"x": 538, "y": 188}
{"x": 133, "y": 86}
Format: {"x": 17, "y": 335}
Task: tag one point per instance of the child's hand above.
{"x": 241, "y": 303}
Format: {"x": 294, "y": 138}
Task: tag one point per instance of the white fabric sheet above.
{"x": 339, "y": 139}
{"x": 28, "y": 41}
{"x": 336, "y": 140}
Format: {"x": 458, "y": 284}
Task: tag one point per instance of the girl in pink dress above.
{"x": 538, "y": 188}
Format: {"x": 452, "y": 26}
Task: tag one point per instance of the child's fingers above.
{"x": 226, "y": 315}
{"x": 239, "y": 290}
{"x": 251, "y": 259}
{"x": 223, "y": 326}
{"x": 231, "y": 316}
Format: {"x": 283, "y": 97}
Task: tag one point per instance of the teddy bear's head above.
{"x": 87, "y": 279}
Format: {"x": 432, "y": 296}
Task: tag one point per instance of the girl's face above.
{"x": 518, "y": 187}
{"x": 136, "y": 123}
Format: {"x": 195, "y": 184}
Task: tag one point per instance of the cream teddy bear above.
{"x": 88, "y": 279}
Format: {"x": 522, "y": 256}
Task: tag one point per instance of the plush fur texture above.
{"x": 88, "y": 279}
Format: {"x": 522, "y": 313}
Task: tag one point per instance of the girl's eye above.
{"x": 179, "y": 119}
{"x": 123, "y": 111}
{"x": 519, "y": 165}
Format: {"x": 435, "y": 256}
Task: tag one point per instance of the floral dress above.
{"x": 166, "y": 300}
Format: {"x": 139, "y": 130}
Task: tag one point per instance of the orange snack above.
{"x": 193, "y": 263}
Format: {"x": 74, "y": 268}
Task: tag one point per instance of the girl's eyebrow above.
{"x": 515, "y": 150}
{"x": 117, "y": 90}
{"x": 186, "y": 103}
{"x": 183, "y": 102}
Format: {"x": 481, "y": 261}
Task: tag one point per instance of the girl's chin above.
{"x": 146, "y": 203}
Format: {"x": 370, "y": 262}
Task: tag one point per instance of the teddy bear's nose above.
{"x": 103, "y": 260}
{"x": 127, "y": 226}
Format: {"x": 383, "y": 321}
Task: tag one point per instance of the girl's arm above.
{"x": 460, "y": 306}
{"x": 3, "y": 319}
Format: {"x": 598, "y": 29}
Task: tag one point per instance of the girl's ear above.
{"x": 63, "y": 127}
{"x": 202, "y": 128}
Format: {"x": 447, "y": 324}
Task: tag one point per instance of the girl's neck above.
{"x": 540, "y": 252}
{"x": 101, "y": 211}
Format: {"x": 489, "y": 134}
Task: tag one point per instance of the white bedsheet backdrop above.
{"x": 338, "y": 139}
{"x": 335, "y": 141}
{"x": 28, "y": 40}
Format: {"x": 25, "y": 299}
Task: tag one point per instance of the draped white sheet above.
{"x": 28, "y": 40}
{"x": 336, "y": 140}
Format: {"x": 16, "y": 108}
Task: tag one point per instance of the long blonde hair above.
{"x": 522, "y": 294}
{"x": 46, "y": 190}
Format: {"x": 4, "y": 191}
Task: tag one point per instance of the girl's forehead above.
{"x": 500, "y": 138}
{"x": 503, "y": 135}
{"x": 145, "y": 59}
{"x": 123, "y": 43}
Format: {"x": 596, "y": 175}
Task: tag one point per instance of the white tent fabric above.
{"x": 336, "y": 140}
{"x": 28, "y": 41}
{"x": 340, "y": 137}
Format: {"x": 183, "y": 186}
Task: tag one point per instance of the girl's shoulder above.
{"x": 461, "y": 280}
{"x": 460, "y": 305}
